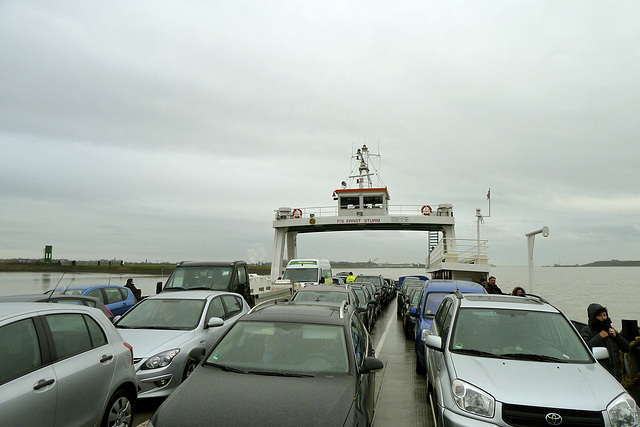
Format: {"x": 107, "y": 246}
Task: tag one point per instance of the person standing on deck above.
{"x": 350, "y": 278}
{"x": 599, "y": 333}
{"x": 491, "y": 286}
{"x": 136, "y": 292}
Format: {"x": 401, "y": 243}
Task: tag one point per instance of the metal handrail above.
{"x": 320, "y": 211}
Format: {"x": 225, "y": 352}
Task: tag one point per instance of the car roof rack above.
{"x": 271, "y": 301}
{"x": 538, "y": 297}
{"x": 343, "y": 306}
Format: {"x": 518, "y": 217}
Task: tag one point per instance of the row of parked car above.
{"x": 65, "y": 351}
{"x": 507, "y": 360}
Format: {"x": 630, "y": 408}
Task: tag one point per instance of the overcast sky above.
{"x": 167, "y": 131}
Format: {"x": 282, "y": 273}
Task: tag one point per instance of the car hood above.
{"x": 248, "y": 399}
{"x": 147, "y": 342}
{"x": 547, "y": 384}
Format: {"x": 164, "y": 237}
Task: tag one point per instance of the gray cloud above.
{"x": 172, "y": 131}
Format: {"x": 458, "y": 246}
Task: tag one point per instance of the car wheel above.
{"x": 119, "y": 412}
{"x": 188, "y": 370}
{"x": 420, "y": 370}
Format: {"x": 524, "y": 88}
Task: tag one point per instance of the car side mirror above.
{"x": 321, "y": 281}
{"x": 158, "y": 287}
{"x": 600, "y": 353}
{"x": 215, "y": 322}
{"x": 371, "y": 364}
{"x": 413, "y": 312}
{"x": 197, "y": 354}
{"x": 433, "y": 342}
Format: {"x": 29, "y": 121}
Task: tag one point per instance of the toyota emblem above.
{"x": 553, "y": 419}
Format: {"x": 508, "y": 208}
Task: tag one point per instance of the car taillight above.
{"x": 126, "y": 344}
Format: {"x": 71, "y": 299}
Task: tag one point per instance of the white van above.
{"x": 304, "y": 272}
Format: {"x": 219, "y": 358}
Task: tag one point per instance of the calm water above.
{"x": 569, "y": 289}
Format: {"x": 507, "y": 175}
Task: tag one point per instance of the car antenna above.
{"x": 70, "y": 282}
{"x": 54, "y": 288}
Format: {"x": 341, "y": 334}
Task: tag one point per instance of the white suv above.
{"x": 518, "y": 361}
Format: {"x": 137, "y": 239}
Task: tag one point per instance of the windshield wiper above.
{"x": 473, "y": 352}
{"x": 281, "y": 374}
{"x": 531, "y": 356}
{"x": 226, "y": 368}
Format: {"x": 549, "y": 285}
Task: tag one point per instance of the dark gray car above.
{"x": 285, "y": 364}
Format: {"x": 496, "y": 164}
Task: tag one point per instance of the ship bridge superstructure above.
{"x": 363, "y": 204}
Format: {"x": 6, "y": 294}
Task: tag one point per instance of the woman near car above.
{"x": 599, "y": 333}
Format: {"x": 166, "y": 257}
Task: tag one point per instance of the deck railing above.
{"x": 320, "y": 211}
{"x": 465, "y": 251}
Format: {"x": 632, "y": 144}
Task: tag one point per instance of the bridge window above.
{"x": 373, "y": 201}
{"x": 350, "y": 203}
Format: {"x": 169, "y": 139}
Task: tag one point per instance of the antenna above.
{"x": 56, "y": 286}
{"x": 70, "y": 282}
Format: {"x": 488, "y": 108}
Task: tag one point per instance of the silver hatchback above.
{"x": 63, "y": 365}
{"x": 506, "y": 360}
{"x": 164, "y": 328}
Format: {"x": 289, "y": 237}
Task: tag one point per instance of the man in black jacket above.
{"x": 491, "y": 286}
{"x": 136, "y": 292}
{"x": 599, "y": 333}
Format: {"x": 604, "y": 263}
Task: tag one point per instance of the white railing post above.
{"x": 530, "y": 241}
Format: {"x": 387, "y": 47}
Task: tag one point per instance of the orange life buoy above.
{"x": 297, "y": 213}
{"x": 426, "y": 210}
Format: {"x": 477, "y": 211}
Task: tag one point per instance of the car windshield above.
{"x": 282, "y": 348}
{"x": 519, "y": 334}
{"x": 64, "y": 291}
{"x": 207, "y": 277}
{"x": 373, "y": 279}
{"x": 316, "y": 296}
{"x": 163, "y": 314}
{"x": 433, "y": 302}
{"x": 301, "y": 274}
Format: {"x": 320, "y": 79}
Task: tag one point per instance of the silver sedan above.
{"x": 164, "y": 328}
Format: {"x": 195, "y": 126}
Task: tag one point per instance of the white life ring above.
{"x": 426, "y": 210}
{"x": 297, "y": 213}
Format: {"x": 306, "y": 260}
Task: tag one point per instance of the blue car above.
{"x": 433, "y": 293}
{"x": 118, "y": 299}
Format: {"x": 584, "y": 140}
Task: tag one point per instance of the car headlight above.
{"x": 472, "y": 399}
{"x": 160, "y": 360}
{"x": 623, "y": 411}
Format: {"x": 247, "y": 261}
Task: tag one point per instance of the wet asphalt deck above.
{"x": 401, "y": 393}
{"x": 401, "y": 396}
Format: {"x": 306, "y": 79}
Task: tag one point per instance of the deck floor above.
{"x": 401, "y": 393}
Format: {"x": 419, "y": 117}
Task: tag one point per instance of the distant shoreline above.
{"x": 612, "y": 263}
{"x": 151, "y": 269}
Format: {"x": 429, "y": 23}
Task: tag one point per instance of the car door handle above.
{"x": 43, "y": 383}
{"x": 106, "y": 358}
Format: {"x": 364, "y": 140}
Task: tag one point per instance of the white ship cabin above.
{"x": 362, "y": 201}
